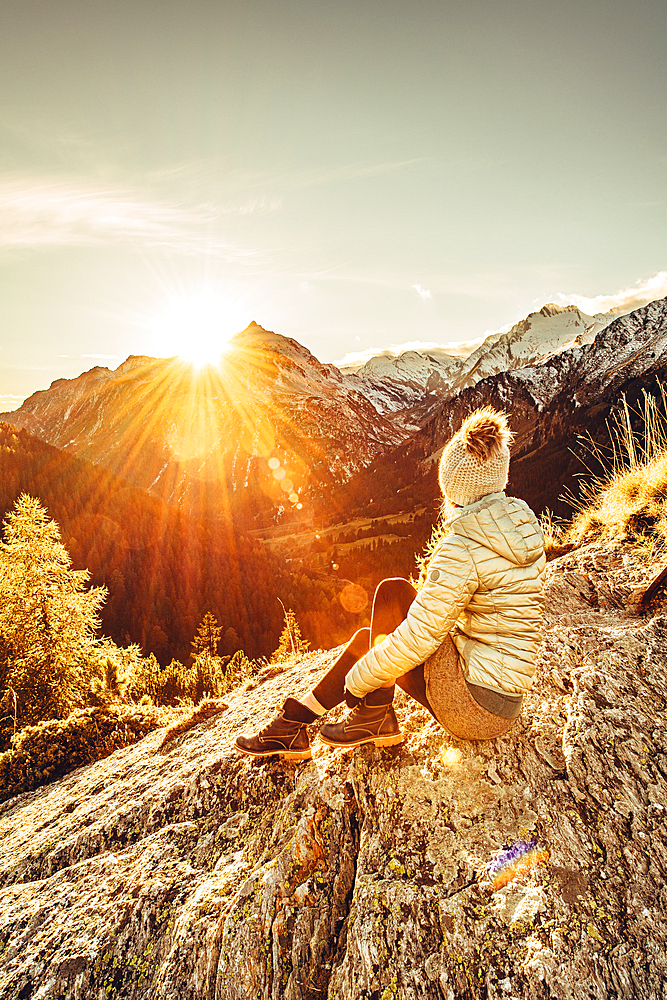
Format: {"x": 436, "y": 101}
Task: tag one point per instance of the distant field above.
{"x": 277, "y": 536}
{"x": 364, "y": 542}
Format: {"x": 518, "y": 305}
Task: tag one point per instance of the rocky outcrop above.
{"x": 182, "y": 870}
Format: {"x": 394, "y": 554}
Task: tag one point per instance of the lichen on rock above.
{"x": 189, "y": 871}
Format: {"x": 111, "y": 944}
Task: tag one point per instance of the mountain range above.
{"x": 272, "y": 430}
{"x": 559, "y": 410}
{"x": 413, "y": 384}
{"x": 271, "y": 422}
{"x": 274, "y": 442}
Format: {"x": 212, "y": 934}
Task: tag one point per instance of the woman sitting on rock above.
{"x": 465, "y": 645}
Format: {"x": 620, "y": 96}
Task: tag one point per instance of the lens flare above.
{"x": 353, "y": 598}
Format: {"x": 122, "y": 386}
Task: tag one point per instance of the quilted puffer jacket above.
{"x": 484, "y": 586}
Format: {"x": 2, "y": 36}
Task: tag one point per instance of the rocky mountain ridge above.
{"x": 200, "y": 438}
{"x": 407, "y": 387}
{"x": 542, "y": 335}
{"x": 273, "y": 428}
{"x": 176, "y": 869}
{"x": 552, "y": 406}
{"x": 424, "y": 379}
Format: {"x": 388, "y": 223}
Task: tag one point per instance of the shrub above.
{"x": 239, "y": 669}
{"x": 207, "y": 676}
{"x": 40, "y": 754}
{"x": 143, "y": 679}
{"x": 291, "y": 641}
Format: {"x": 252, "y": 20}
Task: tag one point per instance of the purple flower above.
{"x": 509, "y": 854}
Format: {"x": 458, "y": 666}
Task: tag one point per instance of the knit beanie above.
{"x": 476, "y": 460}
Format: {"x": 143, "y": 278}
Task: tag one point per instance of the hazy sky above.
{"x": 353, "y": 175}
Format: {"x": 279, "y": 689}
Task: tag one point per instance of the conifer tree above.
{"x": 207, "y": 636}
{"x": 48, "y": 619}
{"x": 231, "y": 641}
{"x": 291, "y": 641}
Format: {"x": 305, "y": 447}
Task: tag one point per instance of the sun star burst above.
{"x": 196, "y": 328}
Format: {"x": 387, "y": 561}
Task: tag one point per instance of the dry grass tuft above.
{"x": 555, "y": 532}
{"x": 630, "y": 504}
{"x": 630, "y": 499}
{"x": 204, "y": 710}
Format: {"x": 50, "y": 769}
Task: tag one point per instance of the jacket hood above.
{"x": 505, "y": 525}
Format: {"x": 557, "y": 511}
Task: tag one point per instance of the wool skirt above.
{"x": 452, "y": 703}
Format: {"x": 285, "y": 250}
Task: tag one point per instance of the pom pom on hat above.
{"x": 476, "y": 460}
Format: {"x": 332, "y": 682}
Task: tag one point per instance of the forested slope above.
{"x": 163, "y": 569}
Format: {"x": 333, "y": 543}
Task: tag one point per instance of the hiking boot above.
{"x": 286, "y": 736}
{"x": 372, "y": 721}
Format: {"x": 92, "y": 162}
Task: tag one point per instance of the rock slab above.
{"x": 187, "y": 871}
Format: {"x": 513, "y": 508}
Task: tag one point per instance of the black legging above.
{"x": 392, "y": 599}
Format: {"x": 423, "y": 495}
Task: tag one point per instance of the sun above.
{"x": 196, "y": 327}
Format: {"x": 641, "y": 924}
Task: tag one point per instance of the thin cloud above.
{"x": 350, "y": 171}
{"x": 209, "y": 173}
{"x": 253, "y": 206}
{"x": 9, "y": 401}
{"x": 624, "y": 301}
{"x": 462, "y": 348}
{"x": 424, "y": 293}
{"x": 45, "y": 212}
{"x": 458, "y": 349}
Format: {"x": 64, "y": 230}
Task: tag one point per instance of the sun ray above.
{"x": 193, "y": 433}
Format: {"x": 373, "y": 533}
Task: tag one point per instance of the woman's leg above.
{"x": 374, "y": 719}
{"x": 286, "y": 735}
{"x": 414, "y": 684}
{"x": 392, "y": 601}
{"x": 330, "y": 691}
